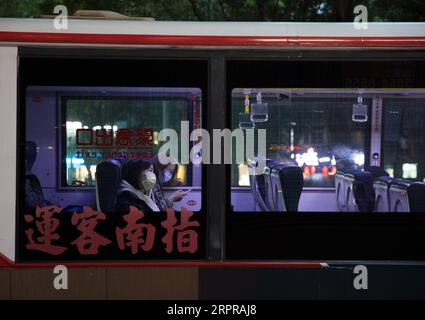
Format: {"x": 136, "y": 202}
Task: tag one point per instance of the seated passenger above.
{"x": 138, "y": 180}
{"x": 34, "y": 194}
{"x": 166, "y": 174}
{"x": 33, "y": 191}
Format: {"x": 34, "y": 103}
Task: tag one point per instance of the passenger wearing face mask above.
{"x": 138, "y": 182}
{"x": 166, "y": 174}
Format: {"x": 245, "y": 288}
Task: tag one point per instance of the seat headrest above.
{"x": 108, "y": 181}
{"x": 292, "y": 183}
{"x": 401, "y": 184}
{"x": 383, "y": 180}
{"x": 377, "y": 172}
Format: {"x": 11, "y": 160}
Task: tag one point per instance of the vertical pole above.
{"x": 376, "y": 128}
{"x": 216, "y": 193}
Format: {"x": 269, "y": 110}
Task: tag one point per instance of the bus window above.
{"x": 313, "y": 129}
{"x": 83, "y": 127}
{"x": 133, "y": 120}
{"x": 333, "y": 139}
{"x": 404, "y": 137}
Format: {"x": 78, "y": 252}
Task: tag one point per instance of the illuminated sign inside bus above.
{"x": 138, "y": 143}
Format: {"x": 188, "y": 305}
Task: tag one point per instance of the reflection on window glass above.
{"x": 112, "y": 124}
{"x": 313, "y": 129}
{"x": 404, "y": 137}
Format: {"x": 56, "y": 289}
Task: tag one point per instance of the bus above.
{"x": 342, "y": 117}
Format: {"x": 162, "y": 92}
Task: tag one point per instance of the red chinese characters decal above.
{"x": 123, "y": 138}
{"x": 84, "y": 137}
{"x": 89, "y": 241}
{"x": 104, "y": 137}
{"x": 144, "y": 137}
{"x": 46, "y": 226}
{"x": 136, "y": 234}
{"x": 187, "y": 238}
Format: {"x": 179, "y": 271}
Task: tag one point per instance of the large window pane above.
{"x": 112, "y": 124}
{"x": 313, "y": 129}
{"x": 404, "y": 137}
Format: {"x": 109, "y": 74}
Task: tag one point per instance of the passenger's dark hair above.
{"x": 159, "y": 168}
{"x": 132, "y": 170}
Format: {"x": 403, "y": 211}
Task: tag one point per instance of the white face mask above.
{"x": 148, "y": 180}
{"x": 167, "y": 176}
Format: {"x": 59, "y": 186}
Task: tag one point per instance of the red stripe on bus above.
{"x": 7, "y": 263}
{"x": 218, "y": 41}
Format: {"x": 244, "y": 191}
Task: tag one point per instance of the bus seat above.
{"x": 288, "y": 182}
{"x": 407, "y": 196}
{"x": 375, "y": 172}
{"x": 258, "y": 187}
{"x": 349, "y": 177}
{"x": 359, "y": 191}
{"x": 363, "y": 191}
{"x": 399, "y": 200}
{"x": 417, "y": 197}
{"x": 269, "y": 196}
{"x": 381, "y": 186}
{"x": 34, "y": 196}
{"x": 108, "y": 180}
{"x": 340, "y": 189}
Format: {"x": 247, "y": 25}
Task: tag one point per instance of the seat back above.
{"x": 34, "y": 196}
{"x": 258, "y": 190}
{"x": 399, "y": 199}
{"x": 268, "y": 184}
{"x": 363, "y": 191}
{"x": 381, "y": 187}
{"x": 375, "y": 173}
{"x": 355, "y": 191}
{"x": 258, "y": 185}
{"x": 108, "y": 181}
{"x": 340, "y": 189}
{"x": 349, "y": 178}
{"x": 287, "y": 182}
{"x": 407, "y": 196}
{"x": 416, "y": 194}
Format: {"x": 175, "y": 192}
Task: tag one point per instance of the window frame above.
{"x": 34, "y": 72}
{"x": 324, "y": 228}
{"x": 214, "y": 177}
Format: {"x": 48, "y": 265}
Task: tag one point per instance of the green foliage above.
{"x": 229, "y": 10}
{"x": 20, "y": 8}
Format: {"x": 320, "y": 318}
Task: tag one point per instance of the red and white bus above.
{"x": 343, "y": 110}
